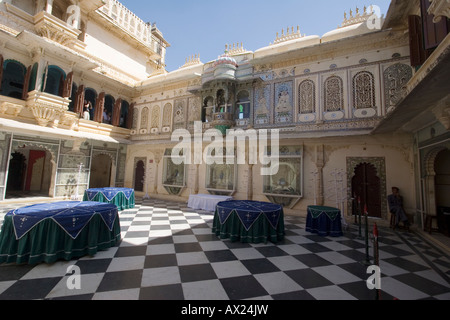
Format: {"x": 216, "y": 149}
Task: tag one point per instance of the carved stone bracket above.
{"x": 442, "y": 112}
{"x": 10, "y": 109}
{"x": 47, "y": 108}
{"x": 440, "y": 9}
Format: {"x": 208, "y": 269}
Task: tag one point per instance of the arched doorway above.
{"x": 16, "y": 174}
{"x": 139, "y": 176}
{"x": 29, "y": 174}
{"x": 54, "y": 83}
{"x": 366, "y": 186}
{"x": 442, "y": 189}
{"x": 101, "y": 170}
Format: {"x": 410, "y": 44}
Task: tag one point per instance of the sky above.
{"x": 204, "y": 27}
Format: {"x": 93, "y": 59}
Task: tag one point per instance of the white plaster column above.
{"x": 158, "y": 158}
{"x": 49, "y": 6}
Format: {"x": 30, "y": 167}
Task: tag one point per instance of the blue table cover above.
{"x": 249, "y": 211}
{"x": 109, "y": 193}
{"x": 71, "y": 216}
{"x": 324, "y": 221}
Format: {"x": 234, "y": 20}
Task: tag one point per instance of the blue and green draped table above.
{"x": 46, "y": 233}
{"x": 123, "y": 198}
{"x": 324, "y": 221}
{"x": 249, "y": 221}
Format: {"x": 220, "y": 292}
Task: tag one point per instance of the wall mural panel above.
{"x": 195, "y": 111}
{"x": 284, "y": 102}
{"x": 262, "y": 105}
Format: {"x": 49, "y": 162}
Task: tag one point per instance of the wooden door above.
{"x": 366, "y": 186}
{"x": 139, "y": 176}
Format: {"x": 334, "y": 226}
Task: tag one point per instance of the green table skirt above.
{"x": 48, "y": 243}
{"x": 120, "y": 200}
{"x": 260, "y": 232}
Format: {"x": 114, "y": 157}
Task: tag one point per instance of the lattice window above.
{"x": 144, "y": 118}
{"x": 396, "y": 77}
{"x": 364, "y": 90}
{"x": 307, "y": 97}
{"x": 155, "y": 117}
{"x": 135, "y": 123}
{"x": 167, "y": 115}
{"x": 334, "y": 94}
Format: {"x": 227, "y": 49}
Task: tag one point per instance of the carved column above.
{"x": 250, "y": 182}
{"x": 158, "y": 158}
{"x": 320, "y": 164}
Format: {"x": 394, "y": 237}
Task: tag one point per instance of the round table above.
{"x": 58, "y": 231}
{"x": 324, "y": 221}
{"x": 123, "y": 198}
{"x": 249, "y": 221}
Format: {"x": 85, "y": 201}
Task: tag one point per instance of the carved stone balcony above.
{"x": 50, "y": 27}
{"x": 46, "y": 108}
{"x": 223, "y": 121}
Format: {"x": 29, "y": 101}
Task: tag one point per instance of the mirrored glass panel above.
{"x": 174, "y": 174}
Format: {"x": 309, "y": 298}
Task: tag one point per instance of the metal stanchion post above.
{"x": 366, "y": 215}
{"x": 376, "y": 255}
{"x": 360, "y": 219}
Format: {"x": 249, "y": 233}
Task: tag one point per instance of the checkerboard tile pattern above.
{"x": 168, "y": 252}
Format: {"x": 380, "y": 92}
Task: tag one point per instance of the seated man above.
{"x": 395, "y": 201}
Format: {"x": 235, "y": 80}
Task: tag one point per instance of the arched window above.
{"x": 54, "y": 82}
{"x": 364, "y": 90}
{"x": 90, "y": 96}
{"x": 334, "y": 94}
{"x": 33, "y": 78}
{"x": 307, "y": 97}
{"x": 396, "y": 77}
{"x": 144, "y": 118}
{"x": 155, "y": 117}
{"x": 243, "y": 105}
{"x": 73, "y": 98}
{"x": 207, "y": 110}
{"x": 13, "y": 79}
{"x": 167, "y": 115}
{"x": 108, "y": 109}
{"x": 124, "y": 114}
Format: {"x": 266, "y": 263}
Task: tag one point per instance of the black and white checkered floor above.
{"x": 168, "y": 252}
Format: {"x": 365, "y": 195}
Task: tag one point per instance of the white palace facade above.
{"x": 358, "y": 110}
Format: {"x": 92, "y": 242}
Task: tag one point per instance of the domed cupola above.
{"x": 225, "y": 59}
{"x": 225, "y": 67}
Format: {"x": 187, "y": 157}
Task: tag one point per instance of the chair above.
{"x": 428, "y": 227}
{"x": 394, "y": 226}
